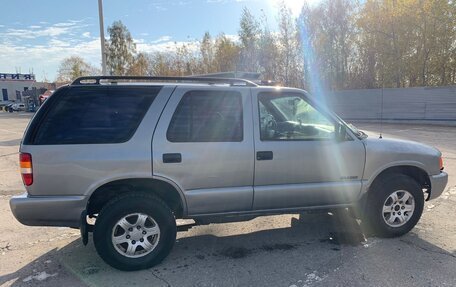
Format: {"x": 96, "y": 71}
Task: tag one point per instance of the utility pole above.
{"x": 102, "y": 38}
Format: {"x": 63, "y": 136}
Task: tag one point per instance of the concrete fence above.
{"x": 424, "y": 103}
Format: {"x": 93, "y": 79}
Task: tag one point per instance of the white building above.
{"x": 12, "y": 86}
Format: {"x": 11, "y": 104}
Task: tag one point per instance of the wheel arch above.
{"x": 417, "y": 173}
{"x": 166, "y": 190}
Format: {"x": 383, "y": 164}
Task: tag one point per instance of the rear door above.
{"x": 204, "y": 143}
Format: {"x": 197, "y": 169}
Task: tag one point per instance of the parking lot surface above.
{"x": 311, "y": 249}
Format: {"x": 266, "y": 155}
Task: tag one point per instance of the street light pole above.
{"x": 102, "y": 38}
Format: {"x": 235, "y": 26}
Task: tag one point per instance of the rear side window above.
{"x": 95, "y": 115}
{"x": 207, "y": 116}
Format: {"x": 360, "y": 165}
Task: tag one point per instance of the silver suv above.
{"x": 137, "y": 153}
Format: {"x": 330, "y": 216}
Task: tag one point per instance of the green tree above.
{"x": 121, "y": 49}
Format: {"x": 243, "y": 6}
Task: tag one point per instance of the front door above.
{"x": 203, "y": 143}
{"x": 299, "y": 162}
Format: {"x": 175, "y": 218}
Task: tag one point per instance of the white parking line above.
{"x": 8, "y": 131}
{"x": 8, "y": 154}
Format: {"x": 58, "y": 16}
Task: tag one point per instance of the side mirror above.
{"x": 341, "y": 132}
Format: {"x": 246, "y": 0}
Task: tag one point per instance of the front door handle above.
{"x": 264, "y": 155}
{"x": 172, "y": 158}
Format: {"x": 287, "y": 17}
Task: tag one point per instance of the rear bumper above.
{"x": 438, "y": 184}
{"x": 48, "y": 210}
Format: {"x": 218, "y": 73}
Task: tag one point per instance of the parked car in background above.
{"x": 9, "y": 107}
{"x": 5, "y": 104}
{"x": 139, "y": 156}
{"x": 17, "y": 107}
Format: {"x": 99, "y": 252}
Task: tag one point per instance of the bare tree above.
{"x": 141, "y": 66}
{"x": 249, "y": 31}
{"x": 207, "y": 54}
{"x": 227, "y": 53}
{"x": 73, "y": 67}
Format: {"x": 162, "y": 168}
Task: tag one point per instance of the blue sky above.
{"x": 37, "y": 35}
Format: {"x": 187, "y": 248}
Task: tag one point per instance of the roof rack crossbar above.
{"x": 95, "y": 80}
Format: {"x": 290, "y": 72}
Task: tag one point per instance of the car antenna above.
{"x": 381, "y": 118}
{"x": 381, "y": 109}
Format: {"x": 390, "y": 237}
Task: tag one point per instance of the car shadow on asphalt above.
{"x": 46, "y": 270}
{"x": 259, "y": 254}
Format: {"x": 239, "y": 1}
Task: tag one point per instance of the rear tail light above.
{"x": 25, "y": 162}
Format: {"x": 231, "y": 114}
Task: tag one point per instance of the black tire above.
{"x": 373, "y": 216}
{"x": 126, "y": 204}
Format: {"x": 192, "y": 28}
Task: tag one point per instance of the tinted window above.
{"x": 207, "y": 116}
{"x": 95, "y": 115}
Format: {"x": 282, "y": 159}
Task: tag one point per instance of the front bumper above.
{"x": 438, "y": 184}
{"x": 62, "y": 211}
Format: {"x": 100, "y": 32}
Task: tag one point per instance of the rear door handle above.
{"x": 172, "y": 158}
{"x": 264, "y": 155}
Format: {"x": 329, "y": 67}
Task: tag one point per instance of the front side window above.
{"x": 291, "y": 117}
{"x": 207, "y": 116}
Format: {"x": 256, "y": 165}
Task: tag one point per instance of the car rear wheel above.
{"x": 134, "y": 231}
{"x": 394, "y": 206}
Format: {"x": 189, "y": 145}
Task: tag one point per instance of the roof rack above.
{"x": 251, "y": 76}
{"x": 95, "y": 80}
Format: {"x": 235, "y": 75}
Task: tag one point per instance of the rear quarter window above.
{"x": 95, "y": 115}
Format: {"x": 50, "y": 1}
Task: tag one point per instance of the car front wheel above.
{"x": 394, "y": 206}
